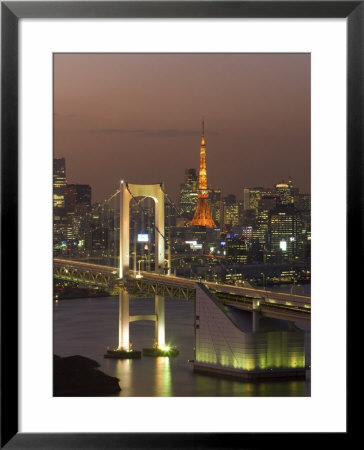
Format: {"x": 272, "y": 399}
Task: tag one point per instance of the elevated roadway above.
{"x": 271, "y": 303}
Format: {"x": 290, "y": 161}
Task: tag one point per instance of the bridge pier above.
{"x": 124, "y": 342}
{"x": 123, "y": 351}
{"x": 256, "y": 315}
{"x": 160, "y": 348}
{"x": 160, "y": 325}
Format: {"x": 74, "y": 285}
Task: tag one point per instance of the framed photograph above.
{"x": 199, "y": 103}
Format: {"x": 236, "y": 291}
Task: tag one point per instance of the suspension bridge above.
{"x": 128, "y": 282}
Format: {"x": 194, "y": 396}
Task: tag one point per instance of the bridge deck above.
{"x": 173, "y": 286}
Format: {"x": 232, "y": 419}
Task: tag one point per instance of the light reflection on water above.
{"x": 88, "y": 326}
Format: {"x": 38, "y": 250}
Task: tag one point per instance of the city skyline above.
{"x": 131, "y": 117}
{"x": 239, "y": 198}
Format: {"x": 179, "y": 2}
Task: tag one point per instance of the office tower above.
{"x": 59, "y": 182}
{"x": 202, "y": 216}
{"x": 285, "y": 193}
{"x": 246, "y": 198}
{"x": 236, "y": 249}
{"x": 215, "y": 202}
{"x": 188, "y": 192}
{"x": 285, "y": 233}
{"x": 251, "y": 196}
{"x": 78, "y": 197}
{"x": 303, "y": 204}
{"x": 260, "y": 233}
{"x": 231, "y": 212}
{"x": 60, "y": 219}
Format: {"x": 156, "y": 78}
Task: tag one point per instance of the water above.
{"x": 88, "y": 326}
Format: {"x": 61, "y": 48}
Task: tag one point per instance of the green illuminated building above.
{"x": 234, "y": 342}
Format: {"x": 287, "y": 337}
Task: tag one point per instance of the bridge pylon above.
{"x": 127, "y": 192}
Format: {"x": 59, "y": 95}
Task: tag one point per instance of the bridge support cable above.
{"x": 129, "y": 192}
{"x": 166, "y": 240}
{"x": 179, "y": 213}
{"x": 143, "y": 210}
{"x": 138, "y": 203}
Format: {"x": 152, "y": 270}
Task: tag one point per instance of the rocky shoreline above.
{"x": 78, "y": 376}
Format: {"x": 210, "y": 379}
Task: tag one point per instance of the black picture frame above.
{"x": 11, "y": 12}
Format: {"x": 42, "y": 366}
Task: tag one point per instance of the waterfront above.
{"x": 88, "y": 326}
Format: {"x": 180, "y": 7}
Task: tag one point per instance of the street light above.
{"x": 263, "y": 279}
{"x": 293, "y": 288}
{"x": 138, "y": 275}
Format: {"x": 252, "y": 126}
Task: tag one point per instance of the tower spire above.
{"x": 202, "y": 214}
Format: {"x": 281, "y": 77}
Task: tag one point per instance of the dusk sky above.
{"x": 137, "y": 117}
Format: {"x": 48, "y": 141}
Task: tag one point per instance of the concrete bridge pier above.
{"x": 123, "y": 351}
{"x": 160, "y": 323}
{"x": 256, "y": 314}
{"x": 124, "y": 343}
{"x": 160, "y": 348}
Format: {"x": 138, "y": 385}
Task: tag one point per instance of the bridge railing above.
{"x": 167, "y": 285}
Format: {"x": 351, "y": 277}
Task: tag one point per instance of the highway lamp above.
{"x": 293, "y": 288}
{"x": 138, "y": 275}
{"x": 263, "y": 280}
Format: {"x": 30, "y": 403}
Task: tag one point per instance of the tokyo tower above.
{"x": 202, "y": 214}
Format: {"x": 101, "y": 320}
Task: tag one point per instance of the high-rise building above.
{"x": 251, "y": 196}
{"x": 231, "y": 214}
{"x": 246, "y": 199}
{"x": 285, "y": 193}
{"x": 265, "y": 204}
{"x": 303, "y": 204}
{"x": 59, "y": 182}
{"x": 188, "y": 192}
{"x": 60, "y": 220}
{"x": 285, "y": 233}
{"x": 202, "y": 216}
{"x": 216, "y": 205}
{"x": 78, "y": 197}
{"x": 77, "y": 205}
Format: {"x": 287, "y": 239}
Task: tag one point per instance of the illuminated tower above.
{"x": 202, "y": 214}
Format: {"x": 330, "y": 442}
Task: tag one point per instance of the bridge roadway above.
{"x": 270, "y": 303}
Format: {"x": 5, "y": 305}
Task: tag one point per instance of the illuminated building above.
{"x": 78, "y": 204}
{"x": 229, "y": 341}
{"x": 285, "y": 232}
{"x": 303, "y": 204}
{"x": 231, "y": 214}
{"x": 246, "y": 198}
{"x": 285, "y": 193}
{"x": 78, "y": 197}
{"x": 251, "y": 196}
{"x": 215, "y": 205}
{"x": 245, "y": 231}
{"x": 59, "y": 182}
{"x": 265, "y": 204}
{"x": 60, "y": 219}
{"x": 60, "y": 227}
{"x": 236, "y": 249}
{"x": 202, "y": 215}
{"x": 188, "y": 192}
